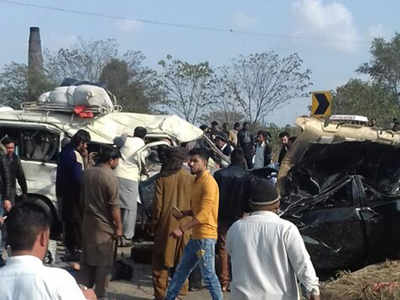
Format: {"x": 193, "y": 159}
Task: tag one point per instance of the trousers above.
{"x": 72, "y": 235}
{"x": 97, "y": 276}
{"x": 128, "y": 218}
{"x": 197, "y": 252}
{"x": 223, "y": 269}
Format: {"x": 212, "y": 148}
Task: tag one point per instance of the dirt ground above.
{"x": 140, "y": 286}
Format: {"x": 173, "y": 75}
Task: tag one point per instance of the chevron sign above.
{"x": 321, "y": 104}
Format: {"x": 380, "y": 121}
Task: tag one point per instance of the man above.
{"x": 245, "y": 141}
{"x": 214, "y": 129}
{"x": 268, "y": 253}
{"x": 5, "y": 184}
{"x": 201, "y": 248}
{"x": 5, "y": 187}
{"x": 262, "y": 158}
{"x": 68, "y": 185}
{"x": 221, "y": 141}
{"x": 25, "y": 276}
{"x": 234, "y": 134}
{"x": 231, "y": 182}
{"x": 284, "y": 136}
{"x": 128, "y": 173}
{"x": 172, "y": 190}
{"x": 101, "y": 222}
{"x": 14, "y": 165}
{"x": 68, "y": 182}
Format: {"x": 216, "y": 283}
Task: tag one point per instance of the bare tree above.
{"x": 261, "y": 82}
{"x": 189, "y": 88}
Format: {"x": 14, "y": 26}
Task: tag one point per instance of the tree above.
{"x": 384, "y": 67}
{"x": 369, "y": 99}
{"x": 261, "y": 82}
{"x": 84, "y": 61}
{"x": 190, "y": 89}
{"x": 14, "y": 85}
{"x": 222, "y": 116}
{"x": 136, "y": 87}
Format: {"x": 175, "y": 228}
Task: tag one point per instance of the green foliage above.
{"x": 14, "y": 87}
{"x": 384, "y": 67}
{"x": 137, "y": 88}
{"x": 369, "y": 99}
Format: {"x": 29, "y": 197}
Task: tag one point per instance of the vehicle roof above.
{"x": 105, "y": 128}
{"x": 320, "y": 131}
{"x": 317, "y": 130}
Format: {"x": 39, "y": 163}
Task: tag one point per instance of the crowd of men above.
{"x": 199, "y": 220}
{"x": 257, "y": 149}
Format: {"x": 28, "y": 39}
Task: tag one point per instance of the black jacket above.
{"x": 5, "y": 183}
{"x": 228, "y": 149}
{"x": 282, "y": 153}
{"x": 16, "y": 173}
{"x": 246, "y": 141}
{"x": 231, "y": 182}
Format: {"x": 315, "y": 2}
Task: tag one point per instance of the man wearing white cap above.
{"x": 267, "y": 253}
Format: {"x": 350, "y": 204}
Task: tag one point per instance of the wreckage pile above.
{"x": 380, "y": 281}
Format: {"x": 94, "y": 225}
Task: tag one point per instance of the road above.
{"x": 140, "y": 286}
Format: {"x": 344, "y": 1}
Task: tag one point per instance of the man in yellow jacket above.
{"x": 201, "y": 248}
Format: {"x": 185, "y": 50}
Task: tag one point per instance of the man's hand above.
{"x": 84, "y": 153}
{"x": 118, "y": 232}
{"x": 314, "y": 297}
{"x": 177, "y": 213}
{"x": 88, "y": 293}
{"x": 1, "y": 220}
{"x": 7, "y": 205}
{"x": 177, "y": 233}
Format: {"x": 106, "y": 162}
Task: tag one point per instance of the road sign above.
{"x": 321, "y": 104}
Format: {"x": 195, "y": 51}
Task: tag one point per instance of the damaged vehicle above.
{"x": 340, "y": 185}
{"x": 40, "y": 130}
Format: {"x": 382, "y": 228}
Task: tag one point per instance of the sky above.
{"x": 332, "y": 37}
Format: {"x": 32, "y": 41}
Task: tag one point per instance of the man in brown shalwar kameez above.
{"x": 172, "y": 190}
{"x": 101, "y": 222}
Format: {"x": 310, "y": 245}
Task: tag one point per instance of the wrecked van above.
{"x": 340, "y": 184}
{"x": 39, "y": 133}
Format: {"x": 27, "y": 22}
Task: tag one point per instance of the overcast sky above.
{"x": 332, "y": 37}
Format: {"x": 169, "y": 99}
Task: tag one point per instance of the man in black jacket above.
{"x": 231, "y": 182}
{"x": 246, "y": 143}
{"x": 16, "y": 173}
{"x": 284, "y": 136}
{"x": 221, "y": 140}
{"x": 68, "y": 186}
{"x": 4, "y": 181}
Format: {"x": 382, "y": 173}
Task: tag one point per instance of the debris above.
{"x": 374, "y": 282}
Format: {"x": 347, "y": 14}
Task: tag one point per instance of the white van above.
{"x": 38, "y": 135}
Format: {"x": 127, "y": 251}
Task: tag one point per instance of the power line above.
{"x": 177, "y": 25}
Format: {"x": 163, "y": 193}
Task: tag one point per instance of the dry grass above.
{"x": 374, "y": 282}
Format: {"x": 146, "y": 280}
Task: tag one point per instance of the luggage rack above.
{"x": 54, "y": 107}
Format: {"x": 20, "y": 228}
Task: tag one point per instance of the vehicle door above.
{"x": 38, "y": 147}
